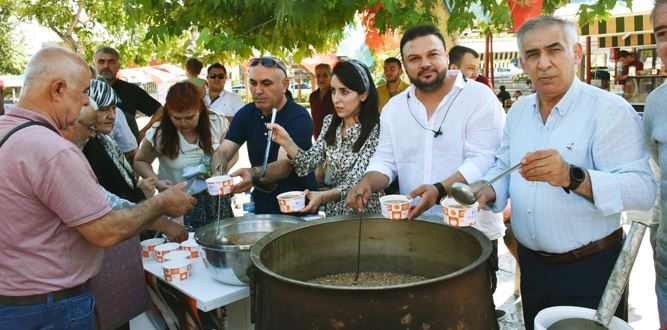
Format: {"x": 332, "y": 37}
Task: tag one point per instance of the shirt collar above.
{"x": 563, "y": 106}
{"x": 30, "y": 115}
{"x": 459, "y": 83}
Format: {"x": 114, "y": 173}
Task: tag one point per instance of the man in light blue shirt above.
{"x": 655, "y": 127}
{"x": 584, "y": 162}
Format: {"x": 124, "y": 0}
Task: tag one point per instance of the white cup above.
{"x": 177, "y": 270}
{"x": 162, "y": 250}
{"x": 178, "y": 254}
{"x": 191, "y": 247}
{"x": 292, "y": 201}
{"x": 219, "y": 185}
{"x": 395, "y": 207}
{"x": 458, "y": 215}
{"x": 148, "y": 246}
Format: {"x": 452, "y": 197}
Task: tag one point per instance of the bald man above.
{"x": 54, "y": 218}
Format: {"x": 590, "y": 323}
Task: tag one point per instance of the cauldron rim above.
{"x": 484, "y": 242}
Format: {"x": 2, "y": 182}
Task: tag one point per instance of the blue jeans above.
{"x": 72, "y": 313}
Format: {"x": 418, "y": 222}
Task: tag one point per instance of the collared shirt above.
{"x": 47, "y": 190}
{"x": 249, "y": 125}
{"x": 592, "y": 129}
{"x": 134, "y": 98}
{"x": 320, "y": 108}
{"x": 122, "y": 133}
{"x": 226, "y": 104}
{"x": 384, "y": 96}
{"x": 472, "y": 121}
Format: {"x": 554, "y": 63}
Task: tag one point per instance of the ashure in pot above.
{"x": 454, "y": 295}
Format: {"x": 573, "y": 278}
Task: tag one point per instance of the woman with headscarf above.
{"x": 112, "y": 169}
{"x": 119, "y": 288}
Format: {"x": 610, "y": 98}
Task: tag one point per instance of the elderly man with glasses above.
{"x": 268, "y": 84}
{"x": 217, "y": 98}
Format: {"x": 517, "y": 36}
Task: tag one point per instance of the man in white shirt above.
{"x": 443, "y": 129}
{"x": 584, "y": 162}
{"x": 217, "y": 98}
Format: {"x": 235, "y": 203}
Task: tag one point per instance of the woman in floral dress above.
{"x": 349, "y": 140}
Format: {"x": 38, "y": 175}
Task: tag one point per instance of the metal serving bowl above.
{"x": 227, "y": 255}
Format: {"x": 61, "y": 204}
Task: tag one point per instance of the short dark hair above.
{"x": 107, "y": 50}
{"x": 393, "y": 60}
{"x": 325, "y": 66}
{"x": 217, "y": 66}
{"x": 457, "y": 52}
{"x": 502, "y": 88}
{"x": 193, "y": 65}
{"x": 624, "y": 53}
{"x": 421, "y": 31}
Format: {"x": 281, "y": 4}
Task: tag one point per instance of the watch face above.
{"x": 577, "y": 173}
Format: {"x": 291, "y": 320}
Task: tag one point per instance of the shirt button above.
{"x": 533, "y": 238}
{"x": 530, "y": 211}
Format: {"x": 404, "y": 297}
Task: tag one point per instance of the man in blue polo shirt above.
{"x": 268, "y": 83}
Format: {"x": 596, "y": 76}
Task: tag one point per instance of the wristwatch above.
{"x": 577, "y": 177}
{"x": 442, "y": 193}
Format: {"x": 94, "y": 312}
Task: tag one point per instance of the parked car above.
{"x": 305, "y": 87}
{"x": 506, "y": 73}
{"x": 238, "y": 89}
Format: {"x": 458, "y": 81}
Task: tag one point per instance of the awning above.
{"x": 501, "y": 56}
{"x": 643, "y": 39}
{"x": 619, "y": 25}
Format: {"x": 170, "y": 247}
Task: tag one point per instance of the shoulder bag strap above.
{"x": 22, "y": 126}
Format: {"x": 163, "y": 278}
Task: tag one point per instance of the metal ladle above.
{"x": 464, "y": 194}
{"x": 260, "y": 182}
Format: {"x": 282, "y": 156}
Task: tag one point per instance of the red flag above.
{"x": 523, "y": 10}
{"x": 376, "y": 41}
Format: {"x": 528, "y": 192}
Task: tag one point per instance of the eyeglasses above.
{"x": 218, "y": 76}
{"x": 90, "y": 127}
{"x": 269, "y": 62}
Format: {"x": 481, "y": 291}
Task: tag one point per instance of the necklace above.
{"x": 439, "y": 131}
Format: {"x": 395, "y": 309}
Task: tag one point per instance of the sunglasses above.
{"x": 269, "y": 62}
{"x": 218, "y": 76}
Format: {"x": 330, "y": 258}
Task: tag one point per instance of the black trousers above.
{"x": 580, "y": 283}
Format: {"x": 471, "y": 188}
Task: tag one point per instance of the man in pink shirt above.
{"x": 54, "y": 217}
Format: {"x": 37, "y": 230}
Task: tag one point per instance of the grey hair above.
{"x": 654, "y": 11}
{"x": 107, "y": 50}
{"x": 42, "y": 70}
{"x": 570, "y": 29}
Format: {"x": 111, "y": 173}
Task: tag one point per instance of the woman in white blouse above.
{"x": 347, "y": 143}
{"x": 187, "y": 135}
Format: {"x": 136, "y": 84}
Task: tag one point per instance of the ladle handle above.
{"x": 268, "y": 142}
{"x": 500, "y": 176}
{"x": 619, "y": 276}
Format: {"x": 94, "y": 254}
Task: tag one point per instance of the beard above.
{"x": 428, "y": 86}
{"x": 107, "y": 74}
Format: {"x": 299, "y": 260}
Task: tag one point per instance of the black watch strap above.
{"x": 442, "y": 193}
{"x": 577, "y": 177}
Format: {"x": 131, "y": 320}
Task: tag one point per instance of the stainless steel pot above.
{"x": 456, "y": 294}
{"x": 229, "y": 263}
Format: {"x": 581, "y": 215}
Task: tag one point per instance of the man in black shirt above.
{"x": 133, "y": 98}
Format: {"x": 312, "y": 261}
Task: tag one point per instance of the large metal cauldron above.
{"x": 229, "y": 263}
{"x": 456, "y": 295}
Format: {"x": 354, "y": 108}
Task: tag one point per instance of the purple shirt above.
{"x": 47, "y": 189}
{"x": 320, "y": 109}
